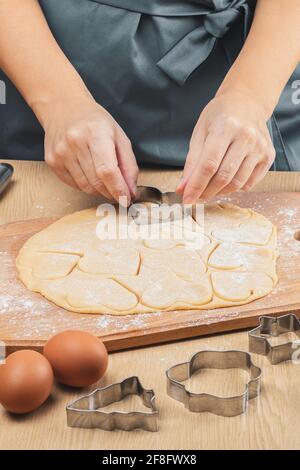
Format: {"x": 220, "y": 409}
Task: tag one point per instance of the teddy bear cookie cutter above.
{"x": 204, "y": 402}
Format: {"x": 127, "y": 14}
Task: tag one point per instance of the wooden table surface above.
{"x": 272, "y": 420}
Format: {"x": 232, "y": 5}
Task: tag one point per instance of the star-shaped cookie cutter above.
{"x": 204, "y": 402}
{"x": 272, "y": 327}
{"x": 85, "y": 412}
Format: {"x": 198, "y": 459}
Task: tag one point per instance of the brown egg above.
{"x": 25, "y": 381}
{"x": 78, "y": 358}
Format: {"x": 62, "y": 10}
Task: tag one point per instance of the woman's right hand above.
{"x": 87, "y": 149}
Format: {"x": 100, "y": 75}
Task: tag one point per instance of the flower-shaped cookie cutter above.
{"x": 85, "y": 412}
{"x": 272, "y": 327}
{"x": 204, "y": 402}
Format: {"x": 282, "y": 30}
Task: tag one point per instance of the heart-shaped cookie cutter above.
{"x": 170, "y": 201}
{"x": 151, "y": 194}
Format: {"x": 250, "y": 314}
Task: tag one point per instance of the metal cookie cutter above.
{"x": 151, "y": 194}
{"x": 171, "y": 202}
{"x": 201, "y": 402}
{"x": 272, "y": 327}
{"x": 85, "y": 413}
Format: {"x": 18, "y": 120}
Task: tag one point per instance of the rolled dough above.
{"x": 234, "y": 263}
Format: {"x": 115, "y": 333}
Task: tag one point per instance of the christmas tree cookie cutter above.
{"x": 86, "y": 412}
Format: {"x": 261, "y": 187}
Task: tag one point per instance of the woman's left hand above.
{"x": 230, "y": 149}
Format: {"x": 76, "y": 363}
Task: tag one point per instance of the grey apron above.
{"x": 154, "y": 65}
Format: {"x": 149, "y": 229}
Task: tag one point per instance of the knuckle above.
{"x": 236, "y": 184}
{"x": 229, "y": 122}
{"x": 97, "y": 184}
{"x": 105, "y": 172}
{"x": 93, "y": 128}
{"x": 60, "y": 150}
{"x": 74, "y": 135}
{"x": 210, "y": 166}
{"x": 87, "y": 188}
{"x": 100, "y": 127}
{"x": 81, "y": 181}
{"x": 223, "y": 177}
{"x": 249, "y": 135}
{"x": 225, "y": 124}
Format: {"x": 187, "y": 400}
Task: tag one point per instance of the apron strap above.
{"x": 192, "y": 50}
{"x": 215, "y": 19}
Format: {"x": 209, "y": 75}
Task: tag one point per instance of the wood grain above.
{"x": 28, "y": 321}
{"x": 272, "y": 421}
{"x": 36, "y": 192}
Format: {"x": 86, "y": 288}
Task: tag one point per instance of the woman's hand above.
{"x": 84, "y": 145}
{"x": 88, "y": 150}
{"x": 230, "y": 148}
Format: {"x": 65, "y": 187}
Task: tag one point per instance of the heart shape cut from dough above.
{"x": 239, "y": 286}
{"x": 113, "y": 261}
{"x": 171, "y": 290}
{"x": 185, "y": 263}
{"x": 235, "y": 255}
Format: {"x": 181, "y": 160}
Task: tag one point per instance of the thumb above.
{"x": 127, "y": 164}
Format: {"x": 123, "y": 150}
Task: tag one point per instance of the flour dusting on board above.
{"x": 34, "y": 315}
{"x": 36, "y": 319}
{"x": 290, "y": 223}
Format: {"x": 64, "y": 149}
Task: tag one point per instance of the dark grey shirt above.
{"x": 154, "y": 65}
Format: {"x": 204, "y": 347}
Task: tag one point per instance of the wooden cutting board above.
{"x": 27, "y": 320}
